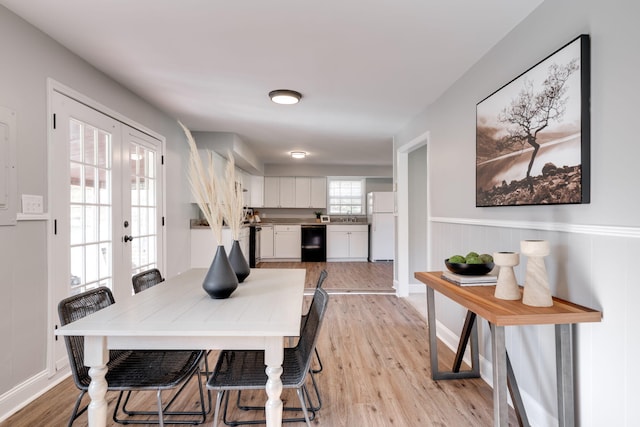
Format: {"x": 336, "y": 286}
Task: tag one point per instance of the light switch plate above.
{"x": 32, "y": 204}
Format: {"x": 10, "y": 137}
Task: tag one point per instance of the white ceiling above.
{"x": 364, "y": 67}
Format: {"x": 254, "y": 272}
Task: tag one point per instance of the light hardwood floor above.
{"x": 374, "y": 348}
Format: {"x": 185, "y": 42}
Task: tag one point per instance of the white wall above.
{"x": 29, "y": 58}
{"x": 594, "y": 246}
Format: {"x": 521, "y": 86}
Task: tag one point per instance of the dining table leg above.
{"x": 96, "y": 356}
{"x": 273, "y": 358}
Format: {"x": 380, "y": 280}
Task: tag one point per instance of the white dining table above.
{"x": 178, "y": 314}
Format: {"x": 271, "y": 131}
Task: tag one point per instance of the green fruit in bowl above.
{"x": 486, "y": 258}
{"x": 474, "y": 260}
{"x": 457, "y": 259}
{"x": 472, "y": 255}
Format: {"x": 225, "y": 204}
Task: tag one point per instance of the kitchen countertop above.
{"x": 200, "y": 224}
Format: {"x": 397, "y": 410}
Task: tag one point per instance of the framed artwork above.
{"x": 532, "y": 134}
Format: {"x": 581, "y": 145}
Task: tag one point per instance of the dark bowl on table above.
{"x": 469, "y": 269}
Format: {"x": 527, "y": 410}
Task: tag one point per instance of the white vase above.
{"x": 507, "y": 286}
{"x": 536, "y": 284}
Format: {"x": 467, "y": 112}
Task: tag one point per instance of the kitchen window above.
{"x": 346, "y": 196}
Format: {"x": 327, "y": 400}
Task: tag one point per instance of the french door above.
{"x": 106, "y": 194}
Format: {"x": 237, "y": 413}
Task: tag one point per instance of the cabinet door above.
{"x": 287, "y": 241}
{"x": 271, "y": 192}
{"x": 303, "y": 194}
{"x": 287, "y": 192}
{"x": 318, "y": 192}
{"x": 257, "y": 192}
{"x": 337, "y": 244}
{"x": 266, "y": 242}
{"x": 358, "y": 244}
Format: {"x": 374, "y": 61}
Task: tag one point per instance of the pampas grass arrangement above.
{"x": 232, "y": 201}
{"x": 205, "y": 186}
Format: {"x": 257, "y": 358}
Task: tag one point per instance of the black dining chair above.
{"x": 146, "y": 279}
{"x": 245, "y": 369}
{"x": 131, "y": 370}
{"x": 321, "y": 278}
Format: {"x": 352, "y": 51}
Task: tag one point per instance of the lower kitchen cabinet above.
{"x": 280, "y": 242}
{"x": 347, "y": 242}
{"x": 287, "y": 241}
{"x": 266, "y": 242}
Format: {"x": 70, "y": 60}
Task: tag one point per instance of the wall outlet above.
{"x": 32, "y": 204}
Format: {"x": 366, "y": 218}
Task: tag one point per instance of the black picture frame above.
{"x": 533, "y": 134}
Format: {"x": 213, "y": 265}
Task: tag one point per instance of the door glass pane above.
{"x": 77, "y": 224}
{"x": 90, "y": 195}
{"x": 143, "y": 207}
{"x": 90, "y": 206}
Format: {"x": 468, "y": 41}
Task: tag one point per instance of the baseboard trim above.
{"x": 26, "y": 392}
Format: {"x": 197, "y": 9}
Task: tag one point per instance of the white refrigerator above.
{"x": 381, "y": 226}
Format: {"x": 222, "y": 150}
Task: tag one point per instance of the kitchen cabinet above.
{"x": 347, "y": 242}
{"x": 303, "y": 192}
{"x": 295, "y": 192}
{"x": 287, "y": 192}
{"x": 257, "y": 192}
{"x": 318, "y": 189}
{"x": 271, "y": 192}
{"x": 287, "y": 241}
{"x": 311, "y": 192}
{"x": 279, "y": 192}
{"x": 266, "y": 242}
{"x": 204, "y": 245}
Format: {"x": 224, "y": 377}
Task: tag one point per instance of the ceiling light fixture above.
{"x": 298, "y": 154}
{"x": 285, "y": 96}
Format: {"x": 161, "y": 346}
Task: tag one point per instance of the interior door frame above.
{"x": 52, "y": 87}
{"x": 402, "y": 274}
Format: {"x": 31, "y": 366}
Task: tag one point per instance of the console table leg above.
{"x": 433, "y": 339}
{"x": 499, "y": 351}
{"x": 516, "y": 398}
{"x": 468, "y": 331}
{"x": 564, "y": 373}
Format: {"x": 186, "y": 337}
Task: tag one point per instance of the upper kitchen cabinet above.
{"x": 295, "y": 192}
{"x": 318, "y": 197}
{"x": 279, "y": 192}
{"x": 257, "y": 191}
{"x": 311, "y": 192}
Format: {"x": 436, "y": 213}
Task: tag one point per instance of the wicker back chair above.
{"x": 130, "y": 370}
{"x": 146, "y": 279}
{"x": 321, "y": 278}
{"x": 244, "y": 369}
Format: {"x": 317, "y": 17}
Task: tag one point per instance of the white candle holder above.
{"x": 536, "y": 285}
{"x": 507, "y": 286}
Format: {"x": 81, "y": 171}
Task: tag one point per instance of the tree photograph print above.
{"x": 532, "y": 135}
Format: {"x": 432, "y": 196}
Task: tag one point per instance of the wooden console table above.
{"x": 479, "y": 300}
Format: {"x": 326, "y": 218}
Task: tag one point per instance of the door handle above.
{"x": 128, "y": 238}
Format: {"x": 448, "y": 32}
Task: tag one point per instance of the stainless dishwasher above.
{"x": 314, "y": 243}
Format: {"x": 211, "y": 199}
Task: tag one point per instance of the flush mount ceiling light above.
{"x": 285, "y": 96}
{"x": 298, "y": 154}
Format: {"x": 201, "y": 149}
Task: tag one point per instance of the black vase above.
{"x": 221, "y": 280}
{"x": 239, "y": 262}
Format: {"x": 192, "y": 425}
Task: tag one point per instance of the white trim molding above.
{"x": 599, "y": 230}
